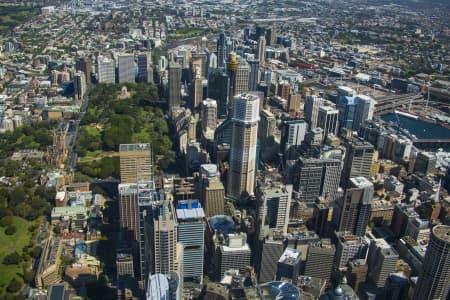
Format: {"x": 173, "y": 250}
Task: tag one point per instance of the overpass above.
{"x": 390, "y": 103}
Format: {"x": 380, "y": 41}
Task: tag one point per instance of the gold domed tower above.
{"x": 232, "y": 63}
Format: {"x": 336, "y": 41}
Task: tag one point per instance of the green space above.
{"x": 183, "y": 33}
{"x": 111, "y": 121}
{"x": 16, "y": 251}
{"x": 11, "y": 16}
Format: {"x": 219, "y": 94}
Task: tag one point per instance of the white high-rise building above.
{"x": 364, "y": 111}
{"x": 261, "y": 55}
{"x": 106, "y": 70}
{"x": 312, "y": 105}
{"x": 126, "y": 68}
{"x": 241, "y": 173}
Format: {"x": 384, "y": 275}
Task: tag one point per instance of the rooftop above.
{"x": 442, "y": 232}
{"x": 290, "y": 256}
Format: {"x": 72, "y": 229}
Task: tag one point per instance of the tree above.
{"x": 28, "y": 276}
{"x": 10, "y": 230}
{"x": 14, "y": 285}
{"x": 12, "y": 259}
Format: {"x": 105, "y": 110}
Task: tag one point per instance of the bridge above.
{"x": 390, "y": 103}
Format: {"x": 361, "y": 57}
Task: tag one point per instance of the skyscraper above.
{"x": 174, "y": 91}
{"x": 106, "y": 70}
{"x": 271, "y": 252}
{"x": 241, "y": 80}
{"x": 352, "y": 211}
{"x": 289, "y": 265}
{"x": 241, "y": 173}
{"x": 316, "y": 177}
{"x": 222, "y": 53}
{"x": 196, "y": 91}
{"x": 347, "y": 109}
{"x": 145, "y": 70}
{"x": 320, "y": 259}
{"x": 382, "y": 261}
{"x": 261, "y": 53}
{"x": 312, "y": 105}
{"x": 135, "y": 163}
{"x": 79, "y": 82}
{"x": 237, "y": 82}
{"x": 212, "y": 191}
{"x": 191, "y": 233}
{"x": 434, "y": 280}
{"x": 126, "y": 68}
{"x": 327, "y": 119}
{"x": 234, "y": 254}
{"x": 253, "y": 79}
{"x": 358, "y": 160}
{"x": 209, "y": 114}
{"x": 165, "y": 239}
{"x": 129, "y": 211}
{"x": 218, "y": 88}
{"x": 292, "y": 134}
{"x": 274, "y": 203}
{"x": 364, "y": 111}
{"x": 84, "y": 65}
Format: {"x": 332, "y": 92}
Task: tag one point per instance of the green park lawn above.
{"x": 11, "y": 243}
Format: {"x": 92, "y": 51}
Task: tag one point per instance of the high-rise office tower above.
{"x": 356, "y": 272}
{"x": 79, "y": 82}
{"x": 222, "y": 53}
{"x": 145, "y": 70}
{"x": 312, "y": 105}
{"x": 327, "y": 119}
{"x": 347, "y": 109}
{"x": 212, "y": 191}
{"x": 382, "y": 261}
{"x": 234, "y": 254}
{"x": 240, "y": 84}
{"x": 316, "y": 177}
{"x": 267, "y": 125}
{"x": 241, "y": 173}
{"x": 218, "y": 88}
{"x": 191, "y": 233}
{"x": 261, "y": 53}
{"x": 289, "y": 265}
{"x": 358, "y": 160}
{"x": 270, "y": 35}
{"x": 320, "y": 259}
{"x": 352, "y": 211}
{"x": 274, "y": 202}
{"x": 106, "y": 70}
{"x": 129, "y": 211}
{"x": 209, "y": 114}
{"x": 349, "y": 247}
{"x": 135, "y": 163}
{"x": 434, "y": 280}
{"x": 212, "y": 62}
{"x": 196, "y": 91}
{"x": 253, "y": 79}
{"x": 126, "y": 68}
{"x": 232, "y": 68}
{"x": 165, "y": 235}
{"x": 364, "y": 111}
{"x": 284, "y": 89}
{"x": 84, "y": 65}
{"x": 271, "y": 252}
{"x": 292, "y": 134}
{"x": 174, "y": 91}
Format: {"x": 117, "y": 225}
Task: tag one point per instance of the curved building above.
{"x": 434, "y": 281}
